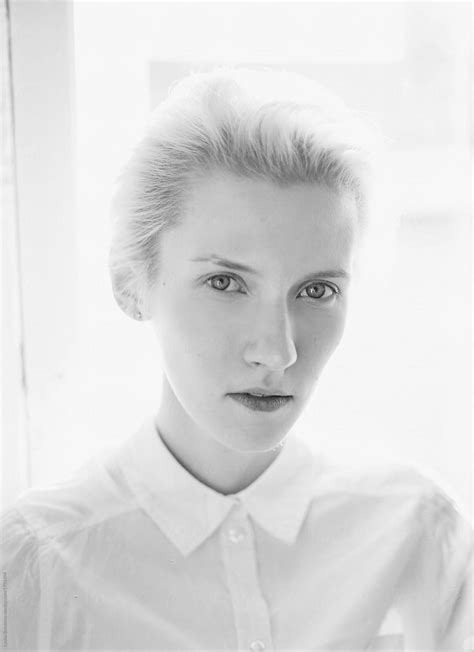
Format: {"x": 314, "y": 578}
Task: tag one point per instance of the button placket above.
{"x": 235, "y": 534}
{"x": 237, "y": 525}
{"x": 250, "y": 609}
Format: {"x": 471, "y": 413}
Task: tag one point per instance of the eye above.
{"x": 321, "y": 290}
{"x": 318, "y": 290}
{"x": 222, "y": 282}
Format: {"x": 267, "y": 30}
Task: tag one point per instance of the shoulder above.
{"x": 88, "y": 498}
{"x": 382, "y": 476}
{"x": 408, "y": 502}
{"x": 20, "y": 560}
{"x": 17, "y": 540}
{"x": 382, "y": 486}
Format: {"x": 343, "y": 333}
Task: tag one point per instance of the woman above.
{"x": 238, "y": 223}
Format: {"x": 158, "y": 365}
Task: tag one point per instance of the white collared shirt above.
{"x": 134, "y": 553}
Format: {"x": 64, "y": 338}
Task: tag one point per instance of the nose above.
{"x": 270, "y": 341}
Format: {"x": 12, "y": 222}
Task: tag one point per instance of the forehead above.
{"x": 258, "y": 218}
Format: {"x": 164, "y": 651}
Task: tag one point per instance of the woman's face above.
{"x": 252, "y": 293}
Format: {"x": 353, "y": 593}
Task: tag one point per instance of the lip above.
{"x": 263, "y": 392}
{"x": 268, "y": 403}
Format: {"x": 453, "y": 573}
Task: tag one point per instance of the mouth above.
{"x": 261, "y": 402}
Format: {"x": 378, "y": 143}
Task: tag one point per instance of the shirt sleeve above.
{"x": 19, "y": 560}
{"x": 436, "y": 604}
{"x": 453, "y": 538}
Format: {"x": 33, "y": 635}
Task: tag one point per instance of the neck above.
{"x": 219, "y": 467}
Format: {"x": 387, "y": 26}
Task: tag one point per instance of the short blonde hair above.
{"x": 256, "y": 123}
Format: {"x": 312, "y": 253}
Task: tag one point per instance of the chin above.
{"x": 255, "y": 439}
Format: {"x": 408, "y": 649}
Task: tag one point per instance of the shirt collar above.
{"x": 188, "y": 511}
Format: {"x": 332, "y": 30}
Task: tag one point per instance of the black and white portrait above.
{"x": 236, "y": 326}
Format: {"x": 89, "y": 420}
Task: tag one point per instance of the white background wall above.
{"x": 400, "y": 383}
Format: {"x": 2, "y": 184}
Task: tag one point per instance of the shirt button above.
{"x": 236, "y": 534}
{"x": 257, "y": 646}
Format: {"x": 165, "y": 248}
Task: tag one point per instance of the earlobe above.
{"x": 126, "y": 299}
{"x": 133, "y": 311}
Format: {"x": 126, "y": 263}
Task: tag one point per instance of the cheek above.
{"x": 322, "y": 336}
{"x": 193, "y": 341}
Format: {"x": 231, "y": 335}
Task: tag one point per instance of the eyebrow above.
{"x": 230, "y": 264}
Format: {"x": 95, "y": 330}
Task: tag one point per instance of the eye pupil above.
{"x": 221, "y": 282}
{"x": 316, "y": 290}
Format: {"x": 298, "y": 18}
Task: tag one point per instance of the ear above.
{"x": 127, "y": 295}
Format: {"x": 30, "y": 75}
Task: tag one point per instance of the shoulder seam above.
{"x": 41, "y": 532}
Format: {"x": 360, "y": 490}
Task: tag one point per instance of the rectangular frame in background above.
{"x": 39, "y": 244}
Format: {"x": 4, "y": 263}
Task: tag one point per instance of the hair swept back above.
{"x": 266, "y": 124}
